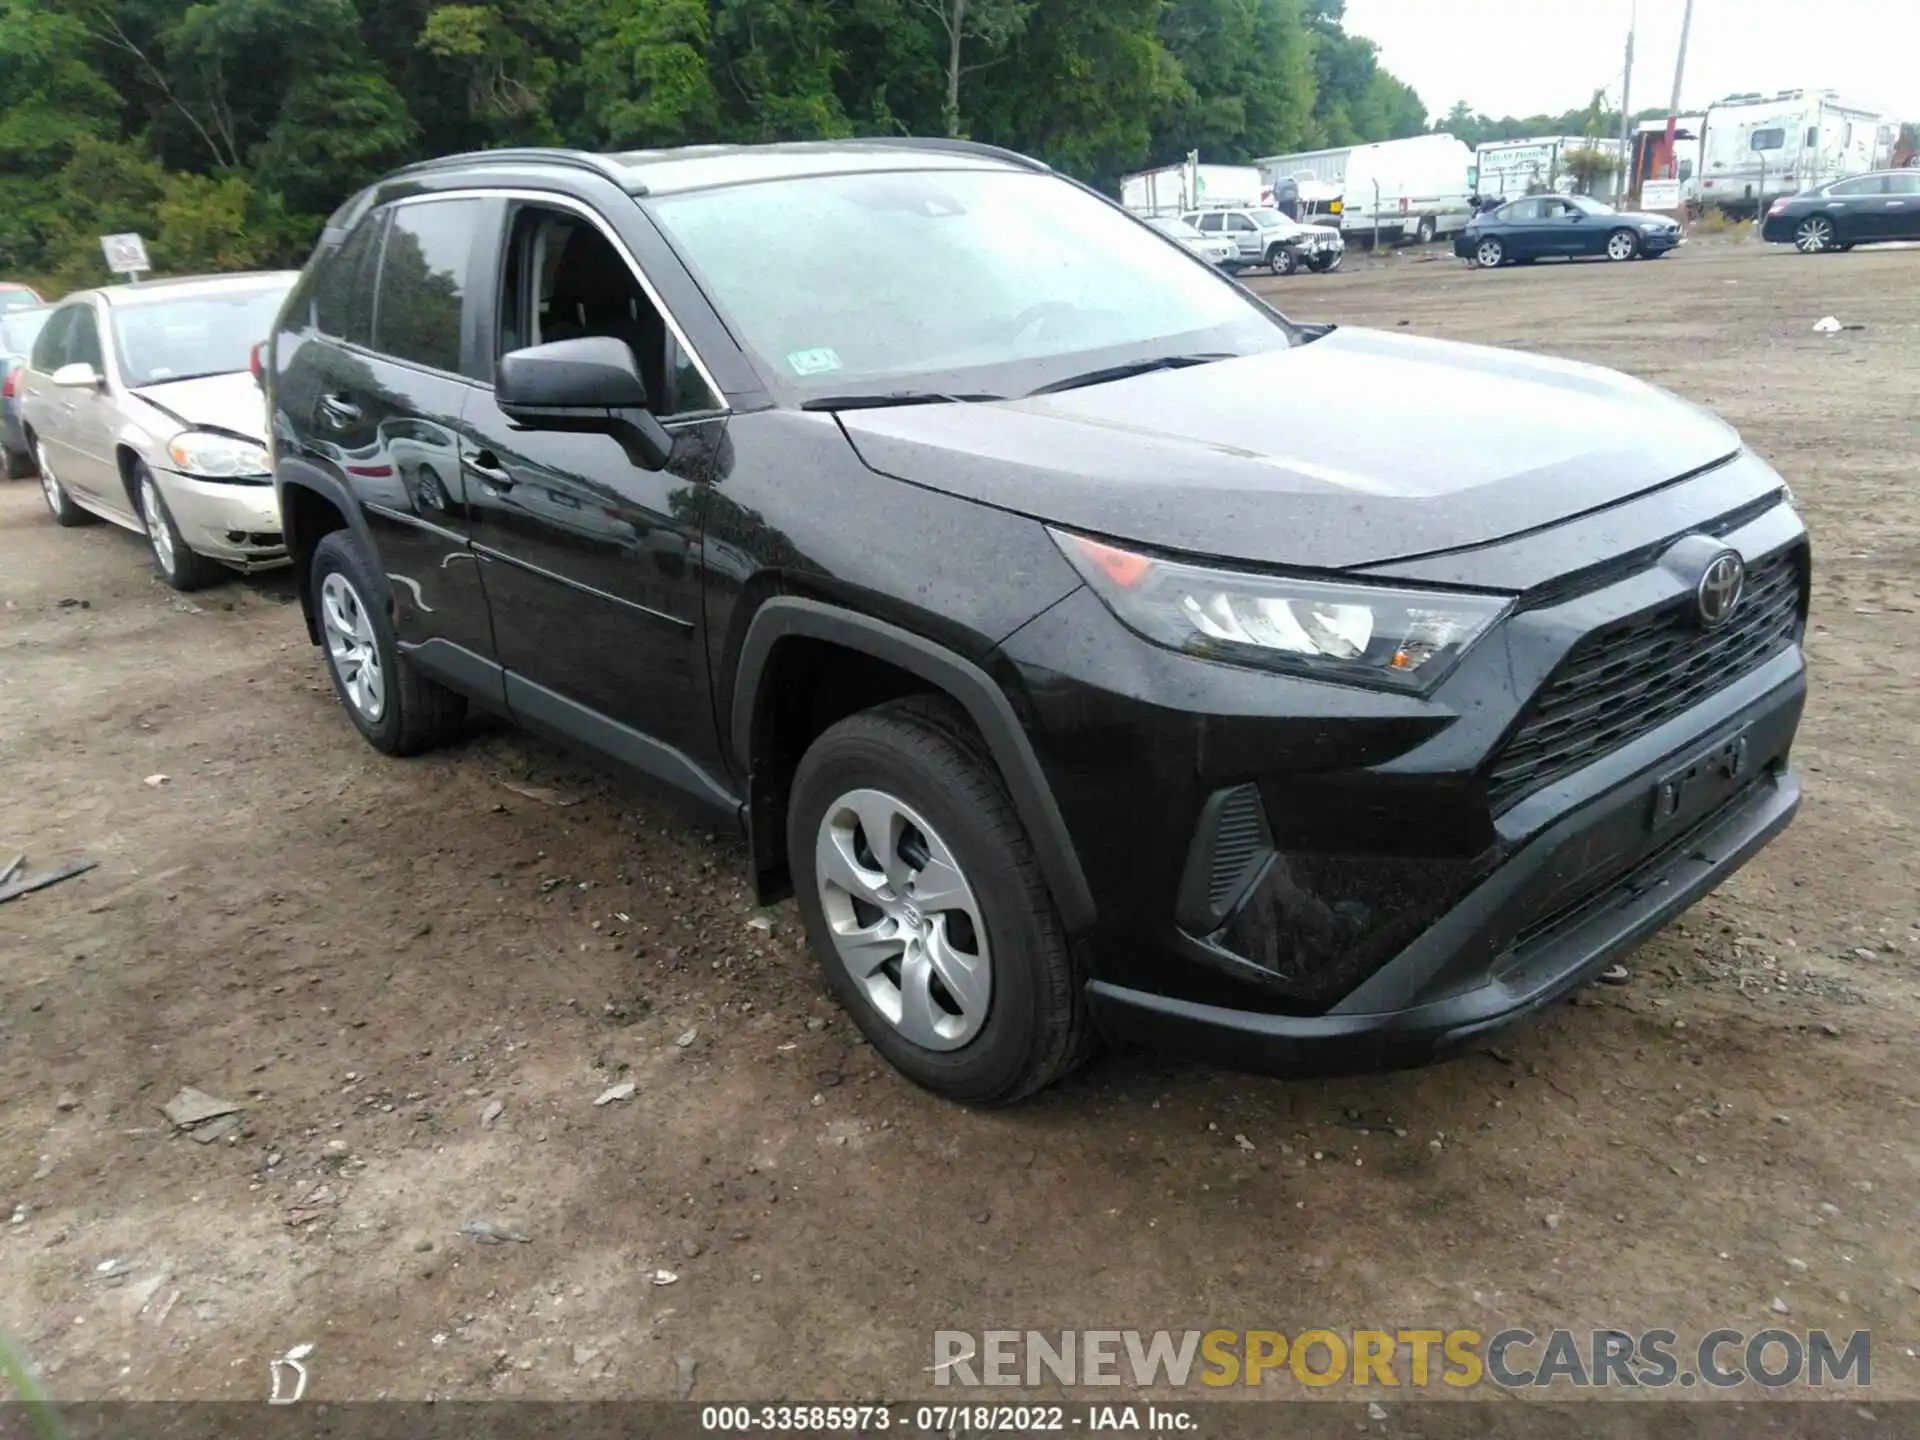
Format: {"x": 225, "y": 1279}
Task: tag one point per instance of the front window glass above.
{"x": 969, "y": 281}
{"x": 185, "y": 337}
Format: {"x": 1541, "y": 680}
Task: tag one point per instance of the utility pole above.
{"x": 1679, "y": 74}
{"x": 1628, "y": 179}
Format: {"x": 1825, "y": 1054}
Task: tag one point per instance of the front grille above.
{"x": 1621, "y": 682}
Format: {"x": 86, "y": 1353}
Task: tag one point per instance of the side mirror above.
{"x": 586, "y": 386}
{"x": 77, "y": 376}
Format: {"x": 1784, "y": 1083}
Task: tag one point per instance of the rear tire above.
{"x": 1018, "y": 1021}
{"x": 65, "y": 512}
{"x": 20, "y": 465}
{"x": 1424, "y": 232}
{"x": 1489, "y": 253}
{"x": 397, "y": 709}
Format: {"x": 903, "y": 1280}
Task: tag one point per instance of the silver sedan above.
{"x": 140, "y": 408}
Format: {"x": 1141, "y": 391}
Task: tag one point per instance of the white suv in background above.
{"x": 1266, "y": 237}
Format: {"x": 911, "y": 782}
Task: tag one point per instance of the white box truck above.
{"x": 1175, "y": 189}
{"x": 1419, "y": 189}
{"x": 1510, "y": 169}
{"x": 1758, "y": 147}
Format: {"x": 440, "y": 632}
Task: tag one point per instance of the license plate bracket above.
{"x": 1709, "y": 777}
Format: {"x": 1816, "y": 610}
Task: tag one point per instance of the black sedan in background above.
{"x": 1860, "y": 210}
{"x": 1546, "y": 227}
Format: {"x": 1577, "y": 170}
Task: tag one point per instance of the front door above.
{"x": 591, "y": 559}
{"x": 1858, "y": 208}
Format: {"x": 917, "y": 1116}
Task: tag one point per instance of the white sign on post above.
{"x": 1660, "y": 195}
{"x": 126, "y": 254}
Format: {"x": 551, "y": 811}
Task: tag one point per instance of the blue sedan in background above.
{"x": 1546, "y": 227}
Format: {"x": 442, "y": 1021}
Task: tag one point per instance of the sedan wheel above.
{"x": 1489, "y": 254}
{"x": 903, "y": 919}
{"x": 1623, "y": 245}
{"x": 1814, "y": 235}
{"x": 351, "y": 648}
{"x": 158, "y": 531}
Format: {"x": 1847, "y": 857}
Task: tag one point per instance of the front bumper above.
{"x": 1658, "y": 242}
{"x": 1450, "y": 987}
{"x": 235, "y": 523}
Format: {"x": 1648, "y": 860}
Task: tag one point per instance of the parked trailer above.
{"x": 1759, "y": 147}
{"x": 1175, "y": 189}
{"x": 1414, "y": 189}
{"x": 1510, "y": 169}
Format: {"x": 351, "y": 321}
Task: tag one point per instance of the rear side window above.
{"x": 423, "y": 280}
{"x": 50, "y": 350}
{"x": 1869, "y": 185}
{"x": 1905, "y": 183}
{"x": 343, "y": 290}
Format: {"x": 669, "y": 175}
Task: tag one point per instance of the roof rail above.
{"x": 959, "y": 147}
{"x": 518, "y": 155}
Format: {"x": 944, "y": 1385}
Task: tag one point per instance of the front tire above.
{"x": 397, "y": 709}
{"x": 1623, "y": 245}
{"x": 180, "y": 567}
{"x": 924, "y": 901}
{"x": 1282, "y": 261}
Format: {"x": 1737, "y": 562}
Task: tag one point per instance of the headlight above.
{"x": 217, "y": 457}
{"x": 1366, "y": 634}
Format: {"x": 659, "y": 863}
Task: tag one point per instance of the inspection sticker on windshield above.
{"x": 813, "y": 362}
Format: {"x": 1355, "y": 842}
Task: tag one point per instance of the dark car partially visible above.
{"x": 1860, "y": 210}
{"x": 1565, "y": 227}
{"x": 18, "y": 330}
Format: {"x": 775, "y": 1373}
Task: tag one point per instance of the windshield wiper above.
{"x": 1125, "y": 372}
{"x": 893, "y": 397}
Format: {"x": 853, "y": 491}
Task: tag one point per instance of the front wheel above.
{"x": 1623, "y": 245}
{"x": 396, "y": 708}
{"x": 1281, "y": 260}
{"x": 180, "y": 567}
{"x": 924, "y": 901}
{"x": 1489, "y": 254}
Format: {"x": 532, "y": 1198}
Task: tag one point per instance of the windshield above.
{"x": 982, "y": 282}
{"x": 1268, "y": 219}
{"x": 1588, "y": 204}
{"x": 184, "y": 337}
{"x": 20, "y": 329}
{"x": 1179, "y": 229}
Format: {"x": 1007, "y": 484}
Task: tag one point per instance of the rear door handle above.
{"x": 485, "y": 466}
{"x": 339, "y": 409}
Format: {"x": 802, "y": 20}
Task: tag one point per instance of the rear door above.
{"x": 40, "y": 401}
{"x": 88, "y": 418}
{"x": 1523, "y": 229}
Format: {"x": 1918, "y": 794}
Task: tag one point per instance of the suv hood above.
{"x": 1357, "y": 449}
{"x": 216, "y": 402}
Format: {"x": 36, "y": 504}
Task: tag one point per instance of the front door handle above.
{"x": 486, "y": 468}
{"x": 339, "y": 409}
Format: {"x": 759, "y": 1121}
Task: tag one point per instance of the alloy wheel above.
{"x": 49, "y": 486}
{"x": 1490, "y": 254}
{"x": 1814, "y": 235}
{"x": 1621, "y": 246}
{"x": 351, "y": 648}
{"x": 904, "y": 919}
{"x": 158, "y": 531}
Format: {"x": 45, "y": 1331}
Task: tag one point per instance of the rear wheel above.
{"x": 19, "y": 464}
{"x": 1281, "y": 260}
{"x": 65, "y": 512}
{"x": 1814, "y": 235}
{"x": 399, "y": 710}
{"x": 180, "y": 567}
{"x": 1489, "y": 254}
{"x": 1424, "y": 232}
{"x": 925, "y": 903}
{"x": 1623, "y": 245}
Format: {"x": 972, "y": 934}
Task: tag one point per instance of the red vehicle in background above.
{"x": 14, "y": 296}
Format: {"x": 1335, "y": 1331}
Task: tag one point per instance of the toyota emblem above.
{"x": 1718, "y": 595}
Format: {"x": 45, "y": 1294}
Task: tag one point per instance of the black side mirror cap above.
{"x": 585, "y": 386}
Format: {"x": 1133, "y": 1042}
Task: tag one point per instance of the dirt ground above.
{"x": 372, "y": 956}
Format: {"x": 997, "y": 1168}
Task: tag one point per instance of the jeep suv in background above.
{"x": 1266, "y": 237}
{"x": 1071, "y": 682}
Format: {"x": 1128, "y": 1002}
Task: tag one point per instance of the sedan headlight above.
{"x": 1399, "y": 638}
{"x": 217, "y": 457}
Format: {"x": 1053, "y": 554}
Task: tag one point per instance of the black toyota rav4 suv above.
{"x": 1088, "y": 647}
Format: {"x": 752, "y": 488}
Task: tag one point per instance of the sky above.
{"x": 1531, "y": 57}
